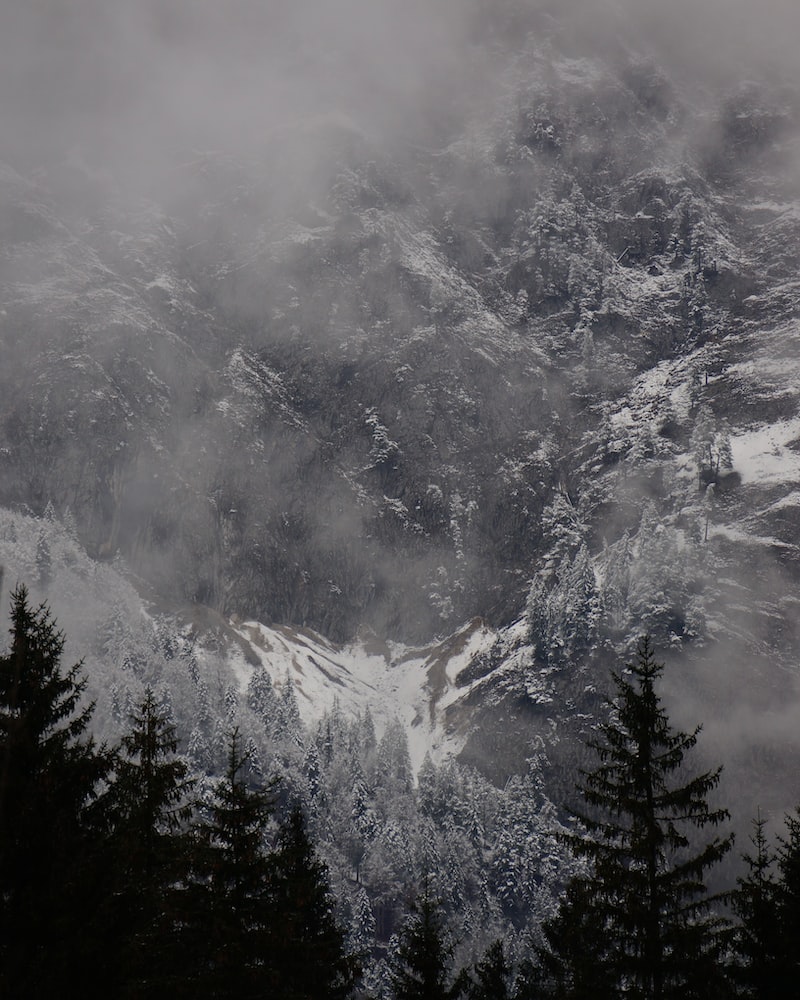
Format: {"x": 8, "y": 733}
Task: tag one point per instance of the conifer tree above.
{"x": 649, "y": 900}
{"x": 50, "y": 772}
{"x": 491, "y": 976}
{"x": 574, "y": 963}
{"x": 261, "y": 697}
{"x": 420, "y": 968}
{"x": 44, "y": 561}
{"x": 788, "y": 906}
{"x": 758, "y": 935}
{"x": 361, "y": 938}
{"x": 306, "y": 941}
{"x": 151, "y": 807}
{"x": 232, "y": 911}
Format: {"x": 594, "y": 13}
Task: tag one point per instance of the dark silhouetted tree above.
{"x": 574, "y": 963}
{"x": 420, "y": 968}
{"x": 51, "y": 878}
{"x": 490, "y": 980}
{"x": 150, "y": 841}
{"x": 232, "y": 908}
{"x": 758, "y": 937}
{"x": 649, "y": 904}
{"x": 310, "y": 960}
{"x": 788, "y": 907}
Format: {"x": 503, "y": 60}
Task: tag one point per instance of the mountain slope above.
{"x": 393, "y": 379}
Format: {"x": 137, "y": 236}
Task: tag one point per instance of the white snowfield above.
{"x": 414, "y": 685}
{"x": 764, "y": 455}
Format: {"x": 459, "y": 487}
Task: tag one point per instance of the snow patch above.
{"x": 762, "y": 455}
{"x": 393, "y": 681}
{"x": 739, "y": 535}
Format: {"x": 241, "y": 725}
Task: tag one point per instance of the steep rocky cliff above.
{"x": 533, "y": 362}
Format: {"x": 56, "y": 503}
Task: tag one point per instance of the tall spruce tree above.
{"x": 649, "y": 903}
{"x": 758, "y": 937}
{"x": 420, "y": 968}
{"x": 232, "y": 911}
{"x": 51, "y": 881}
{"x": 310, "y": 960}
{"x": 788, "y": 907}
{"x": 574, "y": 963}
{"x": 491, "y": 976}
{"x": 150, "y": 845}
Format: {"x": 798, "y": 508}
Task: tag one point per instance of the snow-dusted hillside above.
{"x": 416, "y": 686}
{"x": 127, "y": 640}
{"x": 530, "y": 365}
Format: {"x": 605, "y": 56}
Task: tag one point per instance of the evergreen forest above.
{"x": 127, "y": 872}
{"x": 399, "y": 465}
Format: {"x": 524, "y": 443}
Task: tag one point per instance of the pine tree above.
{"x": 50, "y": 771}
{"x": 491, "y": 977}
{"x": 788, "y": 907}
{"x": 261, "y": 697}
{"x": 420, "y": 968}
{"x": 151, "y": 808}
{"x": 44, "y": 561}
{"x": 758, "y": 935}
{"x": 288, "y": 716}
{"x": 711, "y": 447}
{"x": 361, "y": 938}
{"x": 647, "y": 885}
{"x": 306, "y": 941}
{"x": 313, "y": 773}
{"x": 583, "y": 610}
{"x": 228, "y": 929}
{"x": 393, "y": 769}
{"x": 368, "y": 739}
{"x": 574, "y": 963}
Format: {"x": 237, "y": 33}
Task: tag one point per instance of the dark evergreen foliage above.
{"x": 576, "y": 963}
{"x": 306, "y": 940}
{"x": 758, "y": 938}
{"x": 106, "y": 882}
{"x": 420, "y": 968}
{"x": 649, "y": 910}
{"x": 788, "y": 907}
{"x": 232, "y": 909}
{"x": 51, "y": 877}
{"x": 490, "y": 980}
{"x": 151, "y": 851}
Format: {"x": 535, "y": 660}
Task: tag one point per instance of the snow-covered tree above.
{"x": 711, "y": 447}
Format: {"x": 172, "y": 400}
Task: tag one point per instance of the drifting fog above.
{"x": 131, "y": 88}
{"x": 131, "y": 84}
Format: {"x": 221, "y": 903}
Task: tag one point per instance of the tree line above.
{"x": 121, "y": 876}
{"x": 115, "y": 880}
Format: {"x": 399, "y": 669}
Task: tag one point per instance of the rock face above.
{"x": 541, "y": 368}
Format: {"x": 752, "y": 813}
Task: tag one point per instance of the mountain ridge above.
{"x": 351, "y": 383}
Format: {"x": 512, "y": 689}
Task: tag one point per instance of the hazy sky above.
{"x": 129, "y": 80}
{"x": 131, "y": 77}
{"x": 131, "y": 84}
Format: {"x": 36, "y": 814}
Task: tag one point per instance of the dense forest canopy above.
{"x": 374, "y": 374}
{"x": 133, "y": 870}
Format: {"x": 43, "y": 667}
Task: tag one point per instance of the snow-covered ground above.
{"x": 763, "y": 455}
{"x": 110, "y": 626}
{"x": 413, "y": 685}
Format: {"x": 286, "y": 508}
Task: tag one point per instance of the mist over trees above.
{"x": 123, "y": 867}
{"x": 339, "y": 311}
{"x": 382, "y": 331}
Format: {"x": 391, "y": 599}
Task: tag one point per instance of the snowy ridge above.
{"x": 391, "y": 680}
{"x": 126, "y": 640}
